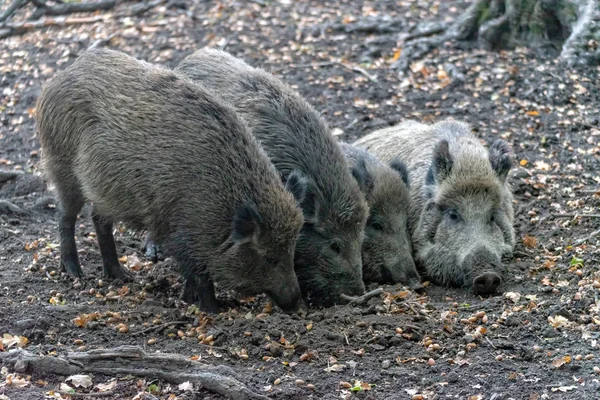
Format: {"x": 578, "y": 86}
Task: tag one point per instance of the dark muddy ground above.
{"x": 537, "y": 340}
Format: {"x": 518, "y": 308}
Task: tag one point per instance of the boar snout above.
{"x": 486, "y": 283}
{"x": 485, "y": 266}
{"x": 288, "y": 299}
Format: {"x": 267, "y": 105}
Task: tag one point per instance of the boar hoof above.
{"x": 72, "y": 268}
{"x": 201, "y": 292}
{"x": 117, "y": 272}
{"x": 486, "y": 283}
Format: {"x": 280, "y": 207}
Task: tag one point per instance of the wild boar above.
{"x": 295, "y": 137}
{"x": 386, "y": 250}
{"x": 158, "y": 152}
{"x": 461, "y": 214}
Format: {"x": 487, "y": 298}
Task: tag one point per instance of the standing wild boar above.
{"x": 158, "y": 152}
{"x": 461, "y": 214}
{"x": 295, "y": 137}
{"x": 386, "y": 250}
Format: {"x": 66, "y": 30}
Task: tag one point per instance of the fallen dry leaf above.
{"x": 558, "y": 321}
{"x": 530, "y": 241}
{"x": 84, "y": 381}
{"x": 335, "y": 368}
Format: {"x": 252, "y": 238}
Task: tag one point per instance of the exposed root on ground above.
{"x": 495, "y": 24}
{"x": 132, "y": 360}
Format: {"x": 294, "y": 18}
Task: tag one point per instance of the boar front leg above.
{"x": 108, "y": 250}
{"x": 199, "y": 289}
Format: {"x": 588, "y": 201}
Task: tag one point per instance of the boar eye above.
{"x": 335, "y": 247}
{"x": 452, "y": 215}
{"x": 377, "y": 226}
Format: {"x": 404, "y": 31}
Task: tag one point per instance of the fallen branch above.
{"x": 139, "y": 9}
{"x": 70, "y": 8}
{"x": 132, "y": 360}
{"x": 8, "y": 30}
{"x": 362, "y": 299}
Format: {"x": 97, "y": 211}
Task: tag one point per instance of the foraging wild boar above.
{"x": 461, "y": 214}
{"x": 294, "y": 136}
{"x": 158, "y": 152}
{"x": 386, "y": 250}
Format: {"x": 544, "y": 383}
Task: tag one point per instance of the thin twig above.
{"x": 490, "y": 342}
{"x": 588, "y": 237}
{"x": 574, "y": 215}
{"x": 159, "y": 327}
{"x": 328, "y": 64}
{"x": 362, "y": 299}
{"x": 82, "y": 395}
{"x": 102, "y": 42}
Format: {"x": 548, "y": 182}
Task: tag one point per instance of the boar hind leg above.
{"x": 106, "y": 242}
{"x": 70, "y": 203}
{"x": 201, "y": 290}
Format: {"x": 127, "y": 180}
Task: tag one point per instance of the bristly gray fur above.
{"x": 293, "y": 134}
{"x": 159, "y": 152}
{"x": 386, "y": 250}
{"x": 461, "y": 214}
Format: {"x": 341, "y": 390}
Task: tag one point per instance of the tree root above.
{"x": 70, "y": 8}
{"x": 572, "y": 24}
{"x": 353, "y": 301}
{"x": 132, "y": 360}
{"x": 8, "y": 30}
{"x": 6, "y": 207}
{"x": 16, "y": 5}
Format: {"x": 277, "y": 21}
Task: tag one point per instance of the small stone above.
{"x": 310, "y": 386}
{"x": 152, "y": 341}
{"x": 299, "y": 382}
{"x": 431, "y": 362}
{"x": 21, "y": 366}
{"x": 277, "y": 381}
{"x": 452, "y": 377}
{"x": 385, "y": 364}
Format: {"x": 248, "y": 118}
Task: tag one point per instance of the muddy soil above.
{"x": 538, "y": 339}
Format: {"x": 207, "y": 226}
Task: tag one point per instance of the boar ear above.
{"x": 246, "y": 224}
{"x": 310, "y": 204}
{"x": 362, "y": 176}
{"x": 401, "y": 169}
{"x": 501, "y": 158}
{"x": 442, "y": 161}
{"x": 297, "y": 184}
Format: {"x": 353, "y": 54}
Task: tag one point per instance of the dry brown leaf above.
{"x": 530, "y": 241}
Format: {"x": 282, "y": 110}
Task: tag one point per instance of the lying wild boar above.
{"x": 295, "y": 137}
{"x": 461, "y": 214}
{"x": 386, "y": 250}
{"x": 158, "y": 152}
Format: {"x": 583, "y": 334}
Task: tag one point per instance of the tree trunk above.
{"x": 573, "y": 25}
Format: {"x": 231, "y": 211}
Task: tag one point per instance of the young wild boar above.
{"x": 328, "y": 259}
{"x": 158, "y": 152}
{"x": 386, "y": 249}
{"x": 461, "y": 214}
